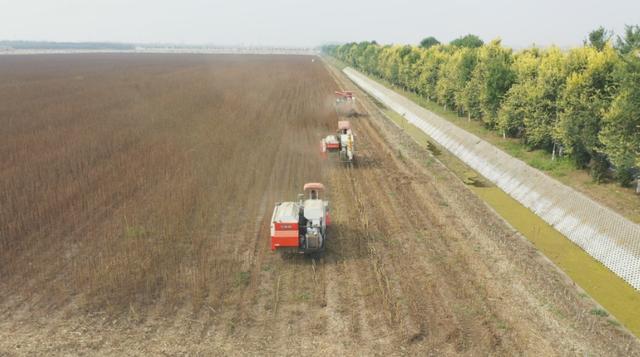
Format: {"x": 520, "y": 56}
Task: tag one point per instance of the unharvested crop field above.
{"x": 135, "y": 195}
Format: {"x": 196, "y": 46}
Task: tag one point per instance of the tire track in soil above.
{"x": 348, "y": 252}
{"x": 370, "y": 260}
{"x": 461, "y": 333}
{"x": 446, "y": 271}
{"x": 287, "y": 289}
{"x": 383, "y": 226}
{"x": 390, "y": 288}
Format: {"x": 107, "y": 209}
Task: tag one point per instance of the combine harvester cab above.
{"x": 343, "y": 142}
{"x": 346, "y": 103}
{"x": 301, "y": 226}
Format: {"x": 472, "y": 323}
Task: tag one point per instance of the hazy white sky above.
{"x": 310, "y": 23}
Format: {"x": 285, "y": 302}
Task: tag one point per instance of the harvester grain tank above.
{"x": 343, "y": 142}
{"x": 301, "y": 226}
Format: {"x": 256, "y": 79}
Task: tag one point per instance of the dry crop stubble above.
{"x": 139, "y": 180}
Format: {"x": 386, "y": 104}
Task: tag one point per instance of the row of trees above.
{"x": 584, "y": 102}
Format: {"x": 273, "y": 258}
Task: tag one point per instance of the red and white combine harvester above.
{"x": 342, "y": 142}
{"x": 301, "y": 226}
{"x": 346, "y": 103}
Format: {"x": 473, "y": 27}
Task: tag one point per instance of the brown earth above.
{"x": 135, "y": 194}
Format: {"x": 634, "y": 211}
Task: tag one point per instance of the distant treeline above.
{"x": 584, "y": 102}
{"x": 44, "y": 45}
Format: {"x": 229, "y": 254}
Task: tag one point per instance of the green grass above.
{"x": 613, "y": 322}
{"x": 304, "y": 296}
{"x": 242, "y": 278}
{"x": 134, "y": 231}
{"x": 599, "y": 312}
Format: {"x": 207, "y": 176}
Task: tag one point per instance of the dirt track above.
{"x": 416, "y": 263}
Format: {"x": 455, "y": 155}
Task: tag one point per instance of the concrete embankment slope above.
{"x": 604, "y": 234}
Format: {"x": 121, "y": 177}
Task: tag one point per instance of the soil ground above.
{"x": 163, "y": 246}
